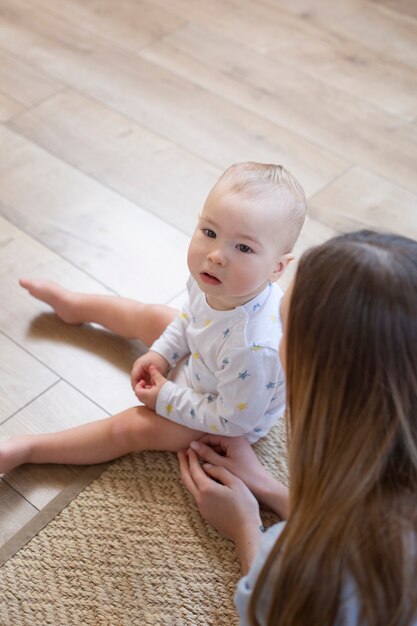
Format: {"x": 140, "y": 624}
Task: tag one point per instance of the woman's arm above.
{"x": 236, "y": 455}
{"x": 226, "y": 503}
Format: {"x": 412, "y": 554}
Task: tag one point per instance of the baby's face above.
{"x": 235, "y": 249}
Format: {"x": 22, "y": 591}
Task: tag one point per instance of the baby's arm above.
{"x": 245, "y": 388}
{"x": 171, "y": 346}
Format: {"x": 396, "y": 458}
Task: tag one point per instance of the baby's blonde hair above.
{"x": 268, "y": 181}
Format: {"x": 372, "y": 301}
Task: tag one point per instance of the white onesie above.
{"x": 231, "y": 382}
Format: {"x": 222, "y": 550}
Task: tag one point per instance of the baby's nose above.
{"x": 217, "y": 256}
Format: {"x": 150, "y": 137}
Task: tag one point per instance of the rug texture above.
{"x": 130, "y": 549}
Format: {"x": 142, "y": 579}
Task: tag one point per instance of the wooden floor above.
{"x": 117, "y": 118}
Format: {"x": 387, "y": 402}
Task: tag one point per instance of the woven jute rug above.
{"x": 131, "y": 548}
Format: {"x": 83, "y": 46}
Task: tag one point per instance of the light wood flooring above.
{"x": 116, "y": 118}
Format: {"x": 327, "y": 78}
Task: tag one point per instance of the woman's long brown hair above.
{"x": 352, "y": 428}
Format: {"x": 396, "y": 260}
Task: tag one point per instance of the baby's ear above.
{"x": 280, "y": 266}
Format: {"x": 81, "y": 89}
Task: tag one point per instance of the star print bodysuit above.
{"x": 226, "y": 378}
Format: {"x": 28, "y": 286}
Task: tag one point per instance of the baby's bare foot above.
{"x": 63, "y": 301}
{"x": 13, "y": 452}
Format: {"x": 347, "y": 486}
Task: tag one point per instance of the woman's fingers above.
{"x": 216, "y": 441}
{"x": 186, "y": 477}
{"x": 193, "y": 476}
{"x": 221, "y": 474}
{"x": 207, "y": 453}
{"x": 198, "y": 475}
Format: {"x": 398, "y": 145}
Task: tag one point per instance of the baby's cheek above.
{"x": 248, "y": 276}
{"x": 252, "y": 270}
{"x": 192, "y": 255}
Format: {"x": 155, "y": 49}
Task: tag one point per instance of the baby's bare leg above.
{"x": 133, "y": 430}
{"x": 125, "y": 317}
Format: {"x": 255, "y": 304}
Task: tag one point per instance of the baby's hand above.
{"x": 148, "y": 392}
{"x": 140, "y": 369}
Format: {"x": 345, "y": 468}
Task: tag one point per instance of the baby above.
{"x": 213, "y": 368}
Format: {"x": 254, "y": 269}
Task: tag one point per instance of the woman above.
{"x": 348, "y": 551}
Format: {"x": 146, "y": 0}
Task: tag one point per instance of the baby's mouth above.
{"x": 209, "y": 279}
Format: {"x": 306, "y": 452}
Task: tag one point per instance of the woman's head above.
{"x": 351, "y": 361}
{"x": 350, "y": 355}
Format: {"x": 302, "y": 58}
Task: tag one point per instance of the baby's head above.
{"x": 274, "y": 195}
{"x": 246, "y": 231}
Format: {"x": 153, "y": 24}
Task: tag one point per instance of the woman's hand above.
{"x": 236, "y": 455}
{"x": 225, "y": 502}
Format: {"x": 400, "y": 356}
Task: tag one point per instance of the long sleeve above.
{"x": 248, "y": 390}
{"x": 247, "y": 583}
{"x": 173, "y": 344}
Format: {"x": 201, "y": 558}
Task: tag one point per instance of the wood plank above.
{"x": 149, "y": 170}
{"x": 58, "y": 408}
{"x": 24, "y": 84}
{"x": 8, "y": 108}
{"x": 129, "y": 23}
{"x": 95, "y": 362}
{"x": 115, "y": 150}
{"x": 348, "y": 66}
{"x": 203, "y": 123}
{"x": 405, "y": 8}
{"x": 360, "y": 199}
{"x": 94, "y": 228}
{"x": 318, "y": 112}
{"x": 15, "y": 512}
{"x": 363, "y": 22}
{"x": 210, "y": 12}
{"x": 332, "y": 58}
{"x": 22, "y": 377}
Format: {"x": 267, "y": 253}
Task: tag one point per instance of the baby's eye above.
{"x": 209, "y": 233}
{"x": 244, "y": 248}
